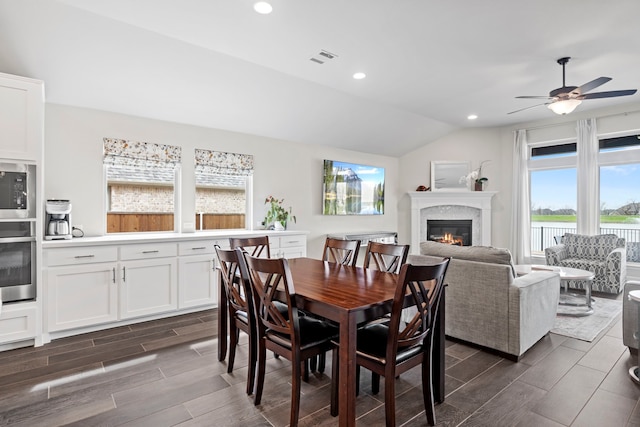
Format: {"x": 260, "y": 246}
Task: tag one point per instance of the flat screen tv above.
{"x": 352, "y": 189}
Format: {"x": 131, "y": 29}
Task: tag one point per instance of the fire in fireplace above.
{"x": 450, "y": 231}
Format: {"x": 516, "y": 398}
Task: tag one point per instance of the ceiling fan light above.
{"x": 565, "y": 106}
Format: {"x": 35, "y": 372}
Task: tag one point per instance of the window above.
{"x": 141, "y": 181}
{"x": 554, "y": 189}
{"x": 223, "y": 190}
{"x": 555, "y": 173}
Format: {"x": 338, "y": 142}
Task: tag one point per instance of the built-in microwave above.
{"x": 17, "y": 191}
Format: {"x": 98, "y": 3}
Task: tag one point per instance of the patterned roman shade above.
{"x": 125, "y": 153}
{"x": 220, "y": 163}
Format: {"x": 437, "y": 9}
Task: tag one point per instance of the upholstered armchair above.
{"x": 604, "y": 255}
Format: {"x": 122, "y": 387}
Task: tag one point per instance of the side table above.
{"x": 634, "y": 371}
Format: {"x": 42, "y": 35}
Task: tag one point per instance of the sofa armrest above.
{"x": 555, "y": 254}
{"x": 616, "y": 267}
{"x": 533, "y": 305}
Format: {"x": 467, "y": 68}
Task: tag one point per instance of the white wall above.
{"x": 73, "y": 169}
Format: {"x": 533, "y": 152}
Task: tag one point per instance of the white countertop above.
{"x": 126, "y": 238}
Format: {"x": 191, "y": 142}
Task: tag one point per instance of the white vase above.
{"x": 277, "y": 225}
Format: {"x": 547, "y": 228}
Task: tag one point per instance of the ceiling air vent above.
{"x": 323, "y": 56}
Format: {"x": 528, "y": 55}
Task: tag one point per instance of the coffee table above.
{"x": 566, "y": 274}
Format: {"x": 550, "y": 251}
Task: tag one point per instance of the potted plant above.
{"x": 277, "y": 216}
{"x": 476, "y": 177}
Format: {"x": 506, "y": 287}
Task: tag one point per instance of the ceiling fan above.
{"x": 566, "y": 98}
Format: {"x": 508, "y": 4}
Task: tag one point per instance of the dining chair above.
{"x": 391, "y": 348}
{"x": 255, "y": 246}
{"x": 239, "y": 308}
{"x": 341, "y": 251}
{"x": 385, "y": 256}
{"x": 294, "y": 337}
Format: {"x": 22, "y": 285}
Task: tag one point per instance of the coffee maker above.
{"x": 58, "y": 220}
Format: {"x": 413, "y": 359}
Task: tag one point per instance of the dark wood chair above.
{"x": 341, "y": 251}
{"x": 254, "y": 246}
{"x": 388, "y": 349}
{"x": 294, "y": 337}
{"x": 240, "y": 309}
{"x": 385, "y": 256}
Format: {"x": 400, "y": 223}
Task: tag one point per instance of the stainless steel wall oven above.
{"x": 17, "y": 261}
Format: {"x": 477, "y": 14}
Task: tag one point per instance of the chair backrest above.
{"x": 269, "y": 277}
{"x": 254, "y": 246}
{"x": 385, "y": 256}
{"x": 596, "y": 247}
{"x": 341, "y": 251}
{"x": 237, "y": 288}
{"x": 422, "y": 284}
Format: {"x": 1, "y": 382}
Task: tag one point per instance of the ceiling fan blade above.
{"x": 591, "y": 85}
{"x": 526, "y": 108}
{"x": 534, "y": 97}
{"x": 610, "y": 94}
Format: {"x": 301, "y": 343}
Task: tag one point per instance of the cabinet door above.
{"x": 148, "y": 287}
{"x": 81, "y": 295}
{"x": 197, "y": 281}
{"x": 22, "y": 112}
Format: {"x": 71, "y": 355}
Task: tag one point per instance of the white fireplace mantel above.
{"x": 480, "y": 200}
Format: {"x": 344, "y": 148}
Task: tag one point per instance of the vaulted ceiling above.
{"x": 219, "y": 64}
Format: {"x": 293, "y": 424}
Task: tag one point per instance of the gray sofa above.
{"x": 486, "y": 304}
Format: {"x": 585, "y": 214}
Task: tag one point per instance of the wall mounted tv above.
{"x": 352, "y": 189}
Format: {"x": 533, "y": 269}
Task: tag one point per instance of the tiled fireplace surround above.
{"x": 473, "y": 205}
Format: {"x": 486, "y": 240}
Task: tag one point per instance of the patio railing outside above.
{"x": 543, "y": 237}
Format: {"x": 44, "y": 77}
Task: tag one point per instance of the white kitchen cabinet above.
{"x": 81, "y": 295}
{"x": 148, "y": 279}
{"x": 81, "y": 287}
{"x": 197, "y": 278}
{"x": 291, "y": 246}
{"x": 17, "y": 322}
{"x": 22, "y": 112}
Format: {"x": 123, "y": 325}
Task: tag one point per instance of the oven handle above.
{"x": 17, "y": 239}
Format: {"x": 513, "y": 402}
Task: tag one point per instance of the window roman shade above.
{"x": 125, "y": 153}
{"x": 220, "y": 163}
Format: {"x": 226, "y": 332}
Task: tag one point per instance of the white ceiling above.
{"x": 217, "y": 63}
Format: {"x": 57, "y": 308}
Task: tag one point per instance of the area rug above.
{"x": 587, "y": 328}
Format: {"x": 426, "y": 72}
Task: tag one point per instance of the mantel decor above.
{"x": 277, "y": 216}
{"x": 445, "y": 175}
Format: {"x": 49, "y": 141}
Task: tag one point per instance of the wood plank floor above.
{"x": 166, "y": 372}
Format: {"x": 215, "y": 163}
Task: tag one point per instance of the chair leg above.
{"x": 427, "y": 387}
{"x": 322, "y": 362}
{"x": 357, "y": 380}
{"x": 375, "y": 383}
{"x": 253, "y": 358}
{"x": 313, "y": 363}
{"x": 389, "y": 400}
{"x": 233, "y": 343}
{"x": 262, "y": 356}
{"x": 335, "y": 381}
{"x": 295, "y": 391}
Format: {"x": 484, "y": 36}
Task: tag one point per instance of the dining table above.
{"x": 348, "y": 296}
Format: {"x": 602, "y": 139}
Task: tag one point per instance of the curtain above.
{"x": 588, "y": 177}
{"x": 520, "y": 209}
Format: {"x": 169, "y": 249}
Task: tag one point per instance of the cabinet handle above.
{"x": 150, "y": 252}
{"x": 124, "y": 274}
{"x": 84, "y": 256}
{"x": 199, "y": 248}
{"x": 114, "y": 275}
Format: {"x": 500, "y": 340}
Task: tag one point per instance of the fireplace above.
{"x": 473, "y": 206}
{"x": 454, "y": 232}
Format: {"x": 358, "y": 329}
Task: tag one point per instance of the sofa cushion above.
{"x": 486, "y": 254}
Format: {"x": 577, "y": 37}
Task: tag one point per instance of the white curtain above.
{"x": 588, "y": 177}
{"x": 520, "y": 209}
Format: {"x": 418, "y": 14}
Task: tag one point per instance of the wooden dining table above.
{"x": 348, "y": 296}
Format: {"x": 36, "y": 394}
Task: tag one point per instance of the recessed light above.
{"x": 472, "y": 116}
{"x": 263, "y": 8}
{"x": 359, "y": 76}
